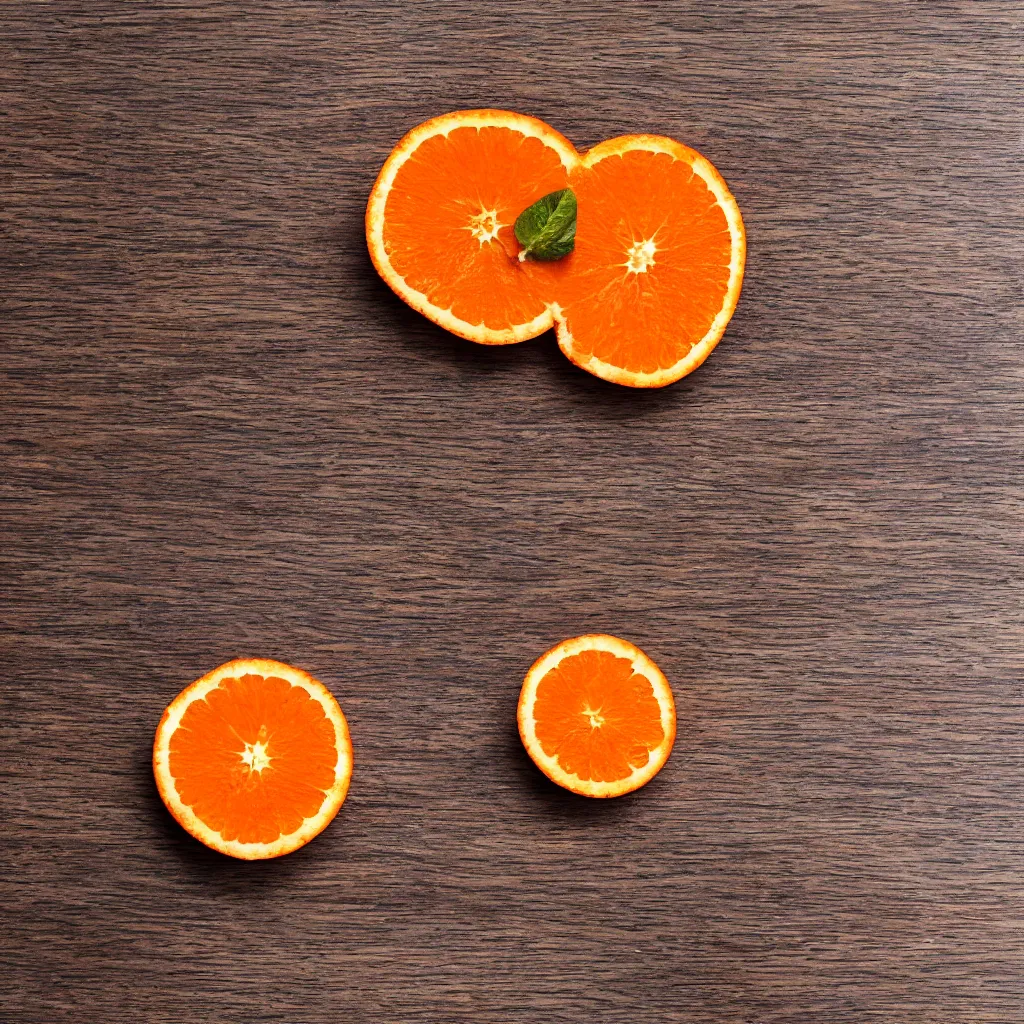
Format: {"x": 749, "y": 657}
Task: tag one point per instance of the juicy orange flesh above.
{"x": 429, "y": 215}
{"x": 275, "y": 720}
{"x": 596, "y": 717}
{"x": 644, "y": 321}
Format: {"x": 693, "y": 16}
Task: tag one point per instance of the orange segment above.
{"x": 597, "y": 716}
{"x": 658, "y": 264}
{"x": 439, "y": 221}
{"x": 254, "y": 759}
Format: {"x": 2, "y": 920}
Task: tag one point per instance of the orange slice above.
{"x": 254, "y": 759}
{"x": 658, "y": 264}
{"x": 439, "y": 220}
{"x": 597, "y": 716}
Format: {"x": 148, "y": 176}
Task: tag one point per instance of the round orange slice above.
{"x": 658, "y": 265}
{"x": 597, "y": 716}
{"x": 440, "y": 216}
{"x": 254, "y": 759}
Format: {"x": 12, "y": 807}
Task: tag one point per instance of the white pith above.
{"x": 484, "y": 226}
{"x": 640, "y": 256}
{"x": 255, "y": 756}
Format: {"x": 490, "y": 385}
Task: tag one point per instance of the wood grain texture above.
{"x": 223, "y": 435}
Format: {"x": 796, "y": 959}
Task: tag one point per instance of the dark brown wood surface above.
{"x": 223, "y": 435}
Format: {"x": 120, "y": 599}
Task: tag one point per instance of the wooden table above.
{"x": 223, "y": 435}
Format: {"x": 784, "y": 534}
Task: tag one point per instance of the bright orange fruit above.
{"x": 660, "y": 244}
{"x": 439, "y": 221}
{"x": 597, "y": 716}
{"x": 658, "y": 265}
{"x": 254, "y": 759}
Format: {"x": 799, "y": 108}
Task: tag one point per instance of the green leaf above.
{"x": 547, "y": 229}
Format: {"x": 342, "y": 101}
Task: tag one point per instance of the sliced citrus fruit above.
{"x": 659, "y": 246}
{"x": 597, "y": 716}
{"x": 658, "y": 264}
{"x": 440, "y": 216}
{"x": 254, "y": 759}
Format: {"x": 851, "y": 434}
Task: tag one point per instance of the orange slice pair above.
{"x": 254, "y": 759}
{"x": 660, "y": 246}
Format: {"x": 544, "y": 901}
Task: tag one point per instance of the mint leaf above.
{"x": 547, "y": 229}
